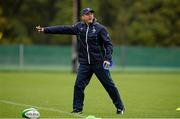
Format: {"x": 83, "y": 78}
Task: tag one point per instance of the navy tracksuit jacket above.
{"x": 94, "y": 47}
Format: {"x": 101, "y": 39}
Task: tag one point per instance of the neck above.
{"x": 87, "y": 23}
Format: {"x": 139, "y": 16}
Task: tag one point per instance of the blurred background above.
{"x": 145, "y": 33}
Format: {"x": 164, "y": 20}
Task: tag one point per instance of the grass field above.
{"x": 145, "y": 95}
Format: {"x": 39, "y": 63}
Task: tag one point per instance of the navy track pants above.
{"x": 85, "y": 72}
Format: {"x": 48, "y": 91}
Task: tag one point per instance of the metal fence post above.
{"x": 122, "y": 56}
{"x": 21, "y": 56}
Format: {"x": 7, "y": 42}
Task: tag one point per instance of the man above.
{"x": 95, "y": 52}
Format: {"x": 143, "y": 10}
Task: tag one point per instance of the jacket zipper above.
{"x": 87, "y": 44}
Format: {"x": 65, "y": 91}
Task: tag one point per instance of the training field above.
{"x": 145, "y": 95}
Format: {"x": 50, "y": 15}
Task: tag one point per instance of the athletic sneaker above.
{"x": 76, "y": 111}
{"x": 120, "y": 111}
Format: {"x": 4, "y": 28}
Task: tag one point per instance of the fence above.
{"x": 38, "y": 57}
{"x": 35, "y": 57}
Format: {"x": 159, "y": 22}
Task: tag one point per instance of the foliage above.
{"x": 146, "y": 22}
{"x": 130, "y": 22}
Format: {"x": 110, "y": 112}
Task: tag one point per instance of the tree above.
{"x": 19, "y": 18}
{"x": 142, "y": 22}
{"x": 130, "y": 22}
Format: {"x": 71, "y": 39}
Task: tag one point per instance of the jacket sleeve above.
{"x": 72, "y": 30}
{"x": 107, "y": 44}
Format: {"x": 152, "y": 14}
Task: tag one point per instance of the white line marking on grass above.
{"x": 42, "y": 108}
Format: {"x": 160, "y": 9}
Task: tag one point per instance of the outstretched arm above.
{"x": 72, "y": 30}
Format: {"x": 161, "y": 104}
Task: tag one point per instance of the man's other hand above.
{"x": 106, "y": 64}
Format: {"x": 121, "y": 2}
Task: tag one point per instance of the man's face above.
{"x": 88, "y": 18}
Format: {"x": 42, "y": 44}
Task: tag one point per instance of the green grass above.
{"x": 145, "y": 95}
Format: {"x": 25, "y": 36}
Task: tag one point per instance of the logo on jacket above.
{"x": 81, "y": 29}
{"x": 94, "y": 30}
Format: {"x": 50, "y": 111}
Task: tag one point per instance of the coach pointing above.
{"x": 95, "y": 53}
